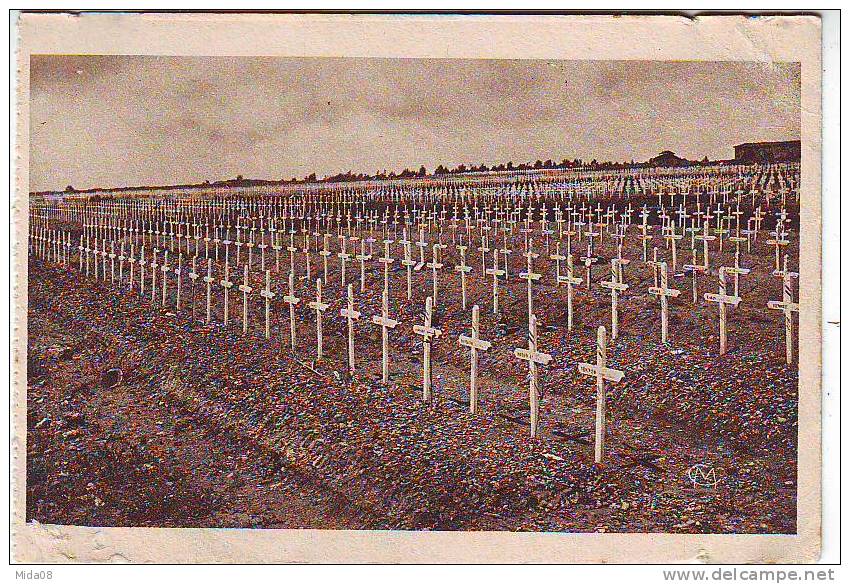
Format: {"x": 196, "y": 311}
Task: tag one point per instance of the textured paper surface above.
{"x": 715, "y": 38}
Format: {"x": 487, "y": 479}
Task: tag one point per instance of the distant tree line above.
{"x": 462, "y": 168}
{"x": 441, "y": 170}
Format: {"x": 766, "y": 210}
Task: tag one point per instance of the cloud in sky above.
{"x": 130, "y": 120}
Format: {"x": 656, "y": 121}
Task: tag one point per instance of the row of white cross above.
{"x": 164, "y": 224}
{"x": 589, "y": 259}
{"x": 61, "y": 244}
{"x": 430, "y": 333}
{"x": 566, "y": 225}
{"x": 729, "y": 182}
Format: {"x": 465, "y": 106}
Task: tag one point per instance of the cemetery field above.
{"x": 141, "y": 413}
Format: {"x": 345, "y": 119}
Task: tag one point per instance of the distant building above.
{"x": 668, "y": 158}
{"x": 767, "y": 152}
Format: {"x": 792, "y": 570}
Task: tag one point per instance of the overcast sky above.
{"x": 120, "y": 121}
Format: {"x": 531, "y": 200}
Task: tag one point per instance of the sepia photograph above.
{"x": 416, "y": 294}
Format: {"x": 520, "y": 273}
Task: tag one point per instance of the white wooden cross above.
{"x": 428, "y": 333}
{"x": 737, "y": 239}
{"x": 422, "y": 244}
{"x": 325, "y": 253}
{"x": 226, "y": 243}
{"x": 386, "y": 323}
{"x": 558, "y": 259}
{"x": 694, "y": 269}
{"x": 371, "y": 240}
{"x": 787, "y": 306}
{"x": 112, "y": 256}
{"x": 319, "y": 307}
{"x": 262, "y": 247}
{"x": 645, "y": 237}
{"x": 121, "y": 259}
{"x": 91, "y": 255}
{"x": 784, "y": 269}
{"x": 621, "y": 261}
{"x": 209, "y": 281}
{"x": 663, "y": 292}
{"x": 616, "y": 286}
{"x": 99, "y": 254}
{"x": 589, "y": 260}
{"x": 475, "y": 344}
{"x": 38, "y": 242}
{"x": 495, "y": 272}
{"x": 602, "y": 373}
{"x": 570, "y": 281}
{"x": 683, "y": 215}
{"x": 705, "y": 238}
{"x": 672, "y": 237}
{"x": 103, "y": 254}
{"x": 165, "y": 269}
{"x": 193, "y": 275}
{"x": 737, "y": 271}
{"x": 719, "y": 230}
{"x": 484, "y": 249}
{"x": 43, "y": 244}
{"x": 81, "y": 247}
{"x": 462, "y": 269}
{"x": 591, "y": 235}
{"x": 505, "y": 252}
{"x": 778, "y": 241}
{"x": 654, "y": 263}
{"x": 343, "y": 257}
{"x": 238, "y": 243}
{"x": 386, "y": 260}
{"x": 351, "y": 315}
{"x": 245, "y": 289}
{"x": 408, "y": 263}
{"x": 250, "y": 245}
{"x": 227, "y": 285}
{"x": 267, "y": 294}
{"x": 434, "y": 264}
{"x": 87, "y": 250}
{"x": 292, "y": 300}
{"x": 276, "y": 246}
{"x": 534, "y": 357}
{"x": 206, "y": 242}
{"x": 759, "y": 215}
{"x": 530, "y": 277}
{"x": 153, "y": 266}
{"x": 363, "y": 257}
{"x": 178, "y": 271}
{"x": 292, "y": 249}
{"x": 132, "y": 260}
{"x": 67, "y": 252}
{"x": 722, "y": 299}
{"x": 750, "y": 231}
{"x": 308, "y": 273}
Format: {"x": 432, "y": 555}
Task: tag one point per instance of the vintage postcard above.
{"x": 335, "y": 288}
